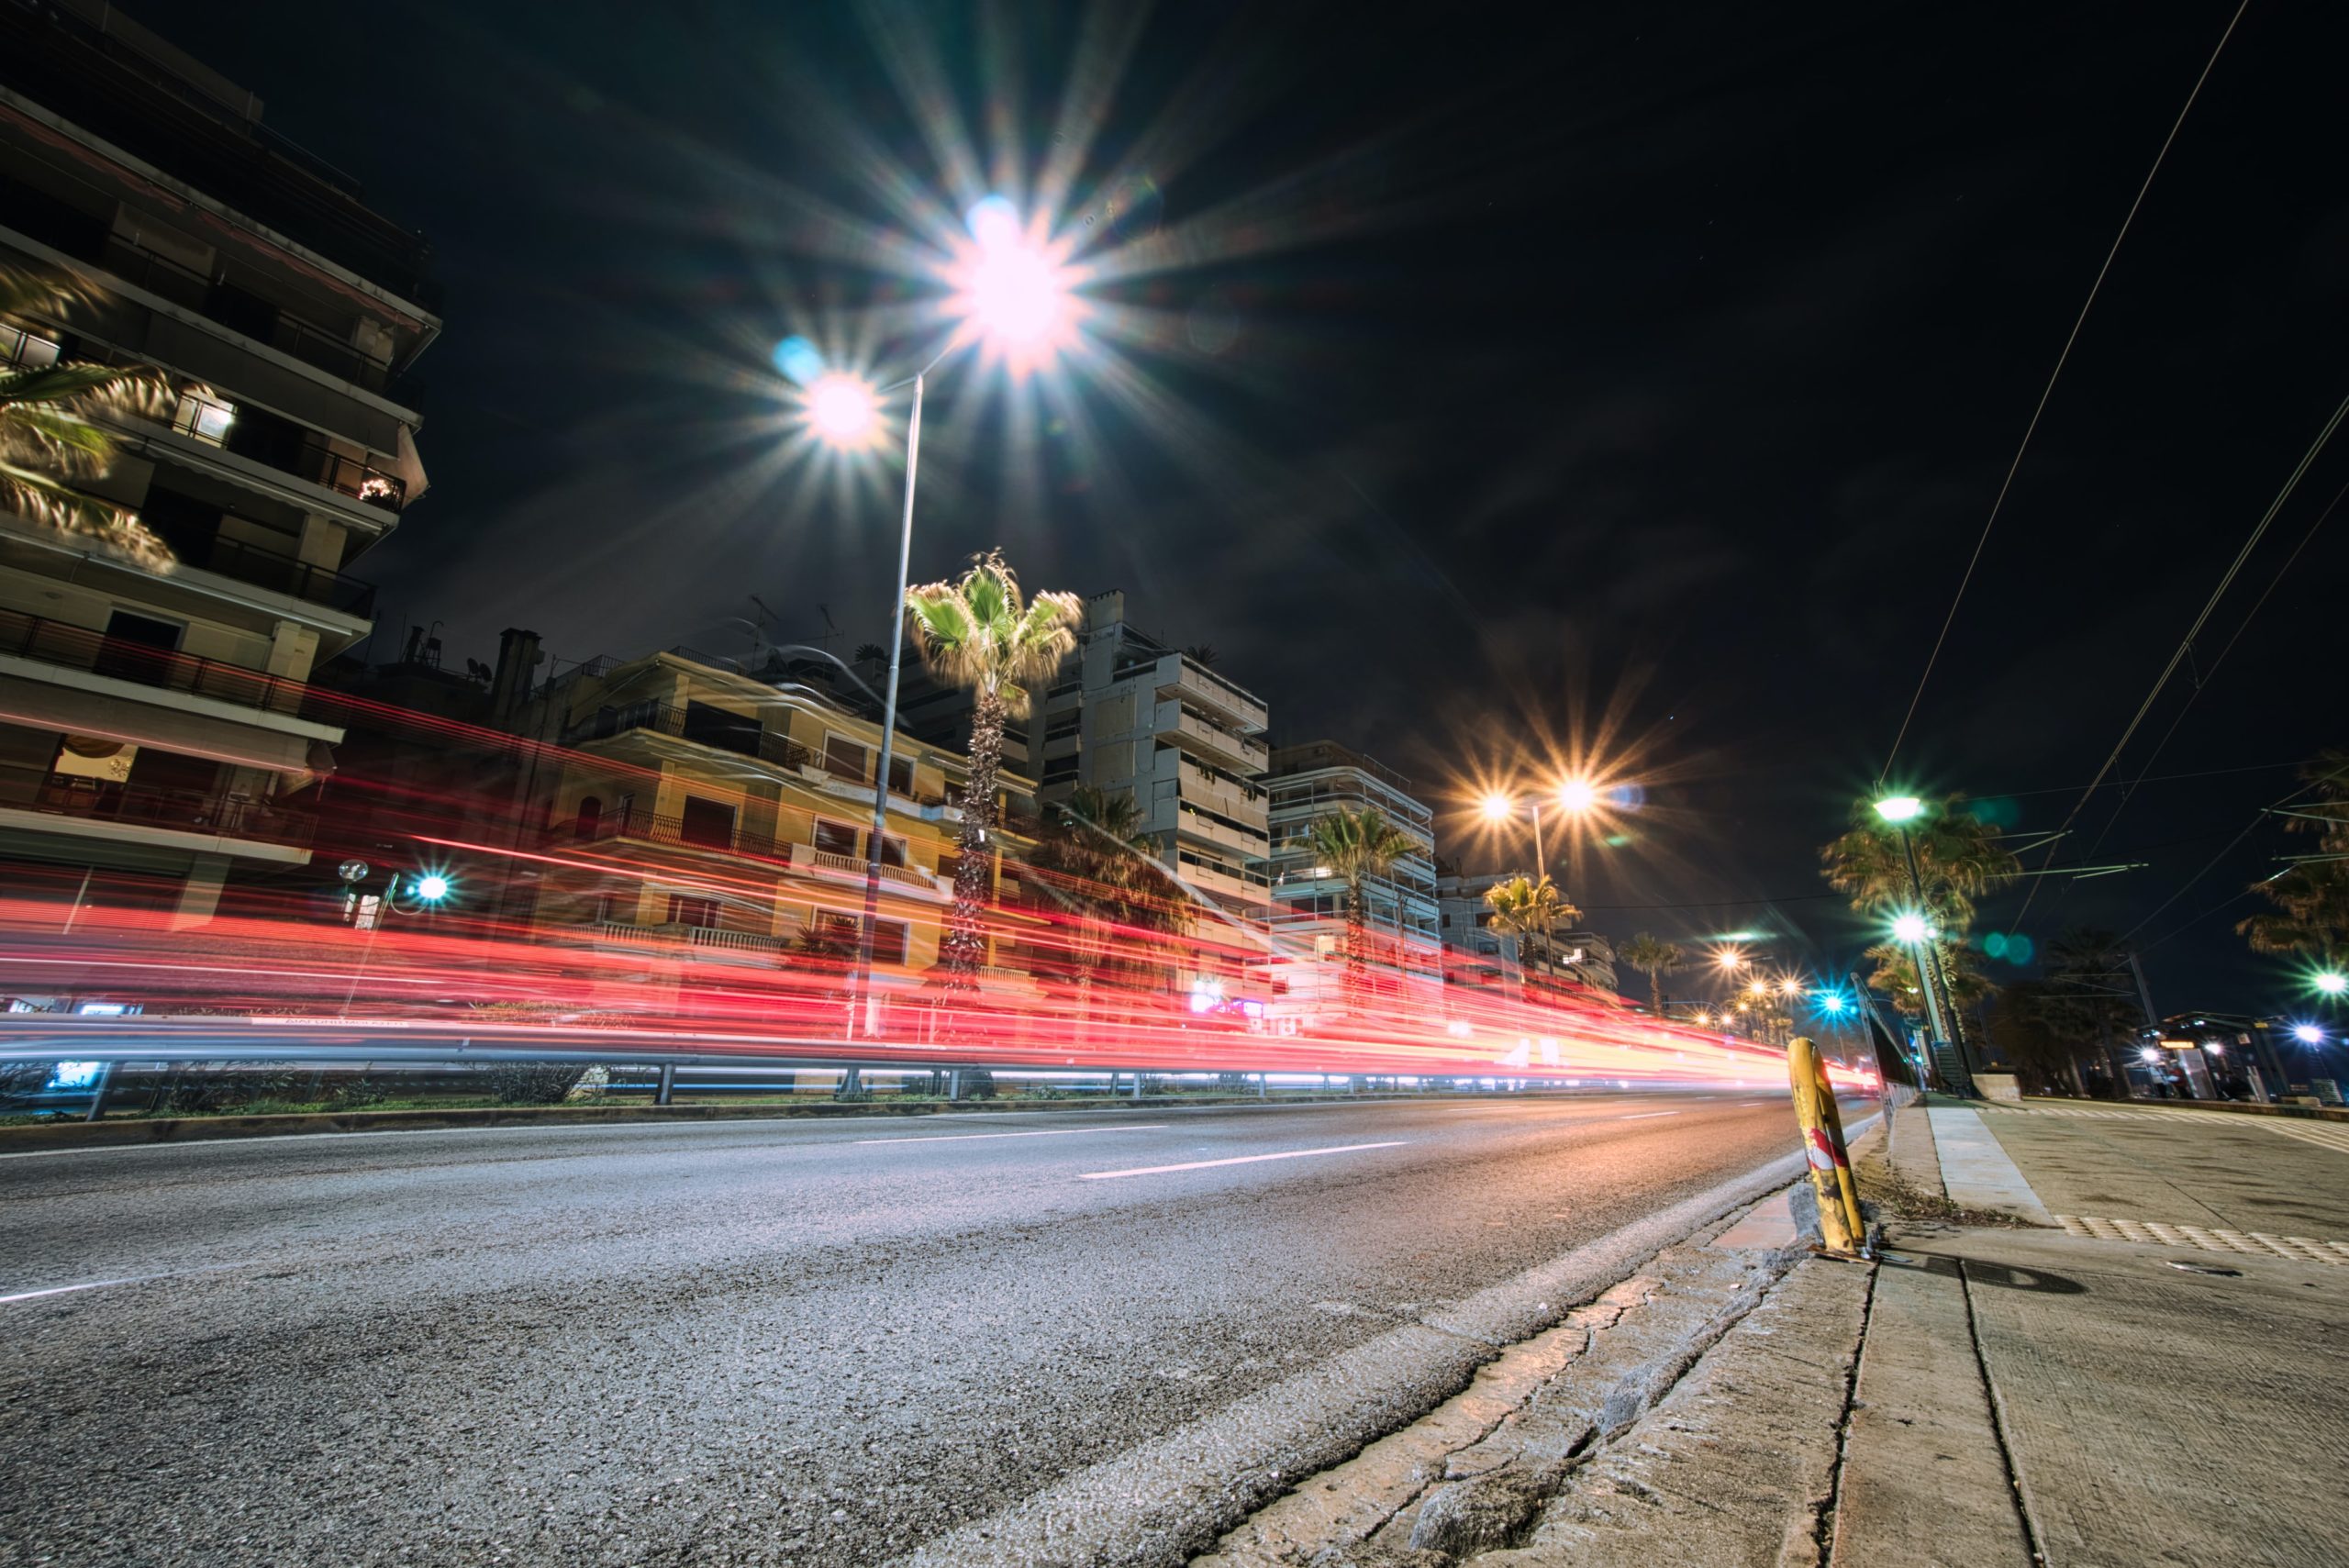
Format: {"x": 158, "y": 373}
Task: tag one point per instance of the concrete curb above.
{"x": 131, "y": 1133}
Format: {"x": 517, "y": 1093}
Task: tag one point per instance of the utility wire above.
{"x": 2049, "y": 391}
{"x": 2177, "y": 657}
{"x": 2202, "y": 679}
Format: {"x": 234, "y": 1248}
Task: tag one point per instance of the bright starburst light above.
{"x": 843, "y": 409}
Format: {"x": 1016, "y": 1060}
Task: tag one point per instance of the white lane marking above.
{"x": 1644, "y": 1115}
{"x": 1239, "y": 1160}
{"x": 1053, "y": 1132}
{"x": 126, "y": 1279}
{"x": 70, "y": 1289}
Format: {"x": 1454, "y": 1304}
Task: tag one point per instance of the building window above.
{"x": 708, "y": 823}
{"x": 835, "y": 838}
{"x": 1059, "y": 770}
{"x": 844, "y": 759}
{"x": 711, "y": 726}
{"x": 889, "y": 941}
{"x": 685, "y": 909}
{"x": 205, "y": 419}
{"x": 893, "y": 851}
{"x": 901, "y": 775}
{"x": 609, "y": 908}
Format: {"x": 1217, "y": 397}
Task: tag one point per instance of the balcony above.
{"x": 1216, "y": 783}
{"x": 744, "y": 737}
{"x": 281, "y": 574}
{"x": 76, "y": 647}
{"x": 831, "y": 862}
{"x": 709, "y": 943}
{"x": 1198, "y": 825}
{"x": 638, "y": 823}
{"x": 219, "y": 814}
{"x": 321, "y": 465}
{"x": 1245, "y": 754}
{"x": 290, "y": 335}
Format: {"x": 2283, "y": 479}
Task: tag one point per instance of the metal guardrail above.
{"x": 78, "y": 648}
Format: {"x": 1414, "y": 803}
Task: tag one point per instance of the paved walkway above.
{"x": 2166, "y": 1363}
{"x": 1975, "y": 1169}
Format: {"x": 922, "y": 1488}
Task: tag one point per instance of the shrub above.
{"x": 532, "y": 1083}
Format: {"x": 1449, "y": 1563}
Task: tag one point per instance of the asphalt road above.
{"x": 772, "y": 1342}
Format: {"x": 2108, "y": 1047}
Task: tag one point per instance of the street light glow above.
{"x": 432, "y": 887}
{"x": 2331, "y": 981}
{"x": 1910, "y": 928}
{"x": 1496, "y": 807}
{"x": 1578, "y": 795}
{"x": 1900, "y": 808}
{"x": 1011, "y": 288}
{"x": 2307, "y": 1034}
{"x": 1833, "y": 1002}
{"x": 841, "y": 409}
{"x": 1731, "y": 958}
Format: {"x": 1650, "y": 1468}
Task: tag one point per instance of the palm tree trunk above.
{"x": 1353, "y": 943}
{"x": 966, "y": 943}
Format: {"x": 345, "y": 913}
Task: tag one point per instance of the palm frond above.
{"x": 44, "y": 500}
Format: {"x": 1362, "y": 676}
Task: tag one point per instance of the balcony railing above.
{"x": 745, "y": 739}
{"x": 855, "y": 866}
{"x": 1250, "y": 755}
{"x": 219, "y": 813}
{"x": 283, "y": 574}
{"x": 321, "y": 465}
{"x": 77, "y": 648}
{"x": 641, "y": 824}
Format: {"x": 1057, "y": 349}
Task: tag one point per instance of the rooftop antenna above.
{"x": 759, "y": 640}
{"x": 831, "y": 627}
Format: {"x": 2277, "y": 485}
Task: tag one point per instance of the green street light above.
{"x": 1900, "y": 808}
{"x": 1910, "y": 928}
{"x": 2331, "y": 981}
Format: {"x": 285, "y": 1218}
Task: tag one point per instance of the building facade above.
{"x": 154, "y": 732}
{"x": 1477, "y": 954}
{"x": 688, "y": 807}
{"x": 1136, "y": 715}
{"x": 1305, "y": 782}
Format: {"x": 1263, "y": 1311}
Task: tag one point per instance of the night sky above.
{"x": 1630, "y": 388}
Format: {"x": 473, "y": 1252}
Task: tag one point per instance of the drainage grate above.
{"x": 2253, "y": 1243}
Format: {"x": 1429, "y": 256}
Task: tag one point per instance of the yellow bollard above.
{"x": 1839, "y": 1225}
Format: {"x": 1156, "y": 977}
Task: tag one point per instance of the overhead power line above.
{"x": 2049, "y": 391}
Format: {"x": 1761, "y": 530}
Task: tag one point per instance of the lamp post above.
{"x": 1940, "y": 1002}
{"x": 1572, "y": 796}
{"x": 1015, "y": 296}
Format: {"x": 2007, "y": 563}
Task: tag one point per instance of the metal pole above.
{"x": 1927, "y": 956}
{"x": 888, "y": 728}
{"x": 98, "y": 1095}
{"x": 668, "y": 1084}
{"x": 1541, "y": 870}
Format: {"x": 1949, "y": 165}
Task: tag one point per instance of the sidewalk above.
{"x": 2098, "y": 1336}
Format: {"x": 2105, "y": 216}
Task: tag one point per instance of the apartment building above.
{"x": 1307, "y": 781}
{"x": 694, "y": 807}
{"x": 1136, "y": 713}
{"x": 153, "y": 731}
{"x": 1477, "y": 954}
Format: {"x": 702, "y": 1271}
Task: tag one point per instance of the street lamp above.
{"x": 1015, "y": 296}
{"x": 1574, "y": 796}
{"x": 1900, "y": 810}
{"x": 2331, "y": 981}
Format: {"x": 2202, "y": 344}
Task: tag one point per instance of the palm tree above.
{"x": 1654, "y": 958}
{"x": 1097, "y": 843}
{"x": 978, "y": 632}
{"x": 48, "y": 439}
{"x": 869, "y": 653}
{"x": 1529, "y": 911}
{"x": 2091, "y": 995}
{"x": 1957, "y": 858}
{"x": 1357, "y": 846}
{"x": 2311, "y": 898}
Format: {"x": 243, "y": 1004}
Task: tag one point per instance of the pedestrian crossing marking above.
{"x": 2208, "y": 1239}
